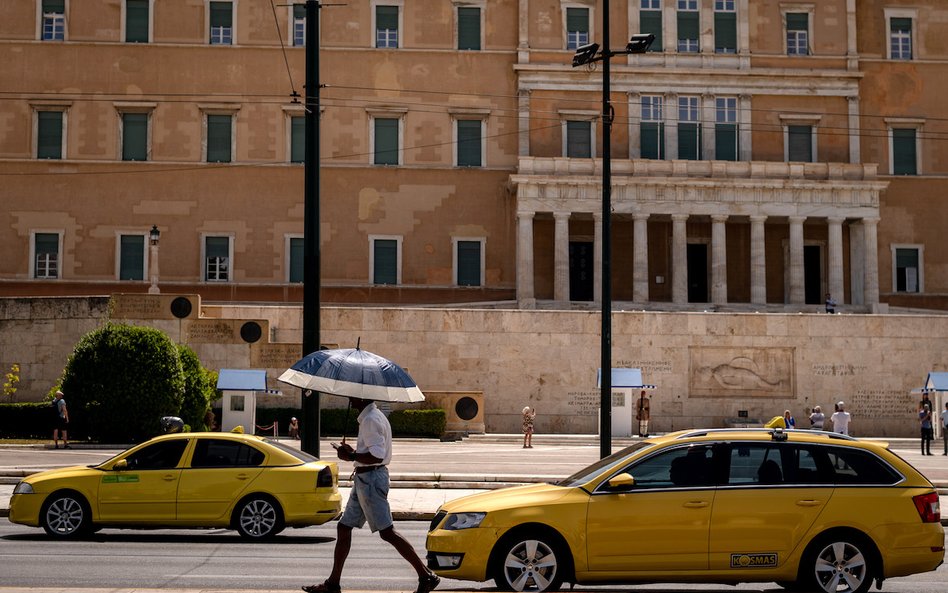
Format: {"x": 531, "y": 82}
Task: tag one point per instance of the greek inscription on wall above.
{"x": 838, "y": 370}
{"x": 212, "y": 332}
{"x": 882, "y": 403}
{"x": 649, "y": 367}
{"x": 583, "y": 403}
{"x": 274, "y": 356}
{"x": 745, "y": 372}
{"x": 138, "y": 306}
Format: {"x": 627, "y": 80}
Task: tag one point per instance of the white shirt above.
{"x": 944, "y": 418}
{"x": 375, "y": 435}
{"x": 840, "y": 422}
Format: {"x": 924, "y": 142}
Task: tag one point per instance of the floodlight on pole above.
{"x": 588, "y": 54}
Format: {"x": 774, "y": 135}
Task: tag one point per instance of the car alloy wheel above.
{"x": 529, "y": 564}
{"x": 65, "y": 515}
{"x": 258, "y": 518}
{"x": 841, "y": 567}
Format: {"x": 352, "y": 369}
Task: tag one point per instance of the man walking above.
{"x": 368, "y": 499}
{"x": 62, "y": 421}
{"x": 841, "y": 419}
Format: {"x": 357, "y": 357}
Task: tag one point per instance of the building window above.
{"x": 577, "y": 27}
{"x": 469, "y": 133}
{"x": 46, "y": 255}
{"x": 297, "y": 139}
{"x": 907, "y": 268}
{"x": 49, "y": 134}
{"x": 725, "y": 27}
{"x": 385, "y": 140}
{"x": 299, "y": 25}
{"x": 385, "y": 260}
{"x": 904, "y": 151}
{"x": 54, "y": 20}
{"x": 579, "y": 139}
{"x": 650, "y": 21}
{"x": 136, "y": 21}
{"x": 689, "y": 129}
{"x": 725, "y": 129}
{"x": 799, "y": 143}
{"x": 386, "y": 26}
{"x": 134, "y": 136}
{"x": 798, "y": 33}
{"x": 469, "y": 27}
{"x": 900, "y": 38}
{"x": 222, "y": 23}
{"x": 219, "y": 138}
{"x": 295, "y": 256}
{"x": 216, "y": 259}
{"x": 468, "y": 261}
{"x": 688, "y": 26}
{"x": 653, "y": 127}
{"x": 131, "y": 260}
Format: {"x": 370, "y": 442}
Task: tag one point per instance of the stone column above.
{"x": 671, "y": 119}
{"x": 523, "y": 33}
{"x": 597, "y": 257}
{"x": 679, "y": 258}
{"x": 835, "y": 259}
{"x": 718, "y": 259}
{"x": 797, "y": 295}
{"x": 758, "y": 261}
{"x": 523, "y": 121}
{"x": 635, "y": 125}
{"x": 708, "y": 119}
{"x": 872, "y": 261}
{"x": 561, "y": 256}
{"x": 855, "y": 156}
{"x": 525, "y": 292}
{"x": 640, "y": 258}
{"x": 744, "y": 142}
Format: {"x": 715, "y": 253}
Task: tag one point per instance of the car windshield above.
{"x": 301, "y": 455}
{"x": 589, "y": 472}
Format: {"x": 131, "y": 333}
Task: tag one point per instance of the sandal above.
{"x": 325, "y": 587}
{"x": 427, "y": 583}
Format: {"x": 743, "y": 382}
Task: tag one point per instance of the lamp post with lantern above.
{"x": 154, "y": 235}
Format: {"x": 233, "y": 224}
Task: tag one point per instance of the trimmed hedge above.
{"x": 27, "y": 420}
{"x": 418, "y": 423}
{"x": 405, "y": 423}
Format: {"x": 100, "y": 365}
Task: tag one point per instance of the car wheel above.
{"x": 66, "y": 515}
{"x": 529, "y": 562}
{"x": 258, "y": 517}
{"x": 839, "y": 564}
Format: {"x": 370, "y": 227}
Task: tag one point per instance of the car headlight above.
{"x": 23, "y": 488}
{"x": 457, "y": 521}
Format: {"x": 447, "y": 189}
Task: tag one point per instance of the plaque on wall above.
{"x": 744, "y": 372}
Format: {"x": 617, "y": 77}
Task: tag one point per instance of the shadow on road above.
{"x": 191, "y": 538}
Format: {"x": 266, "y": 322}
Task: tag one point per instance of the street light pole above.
{"x": 588, "y": 54}
{"x": 153, "y": 236}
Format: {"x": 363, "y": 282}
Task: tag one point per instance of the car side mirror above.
{"x": 120, "y": 465}
{"x": 621, "y": 482}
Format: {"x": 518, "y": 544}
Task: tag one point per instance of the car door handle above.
{"x": 695, "y": 504}
{"x": 242, "y": 476}
{"x": 809, "y": 503}
{"x": 169, "y": 478}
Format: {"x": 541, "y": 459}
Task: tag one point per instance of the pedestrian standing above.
{"x": 944, "y": 427}
{"x": 925, "y": 421}
{"x": 643, "y": 413}
{"x": 529, "y": 416}
{"x": 841, "y": 419}
{"x": 368, "y": 499}
{"x": 830, "y": 303}
{"x": 788, "y": 420}
{"x": 294, "y": 428}
{"x": 61, "y": 421}
{"x": 816, "y": 418}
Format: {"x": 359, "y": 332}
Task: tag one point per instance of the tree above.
{"x": 120, "y": 380}
{"x": 199, "y": 389}
{"x": 11, "y": 380}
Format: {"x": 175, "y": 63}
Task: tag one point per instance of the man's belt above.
{"x": 367, "y": 468}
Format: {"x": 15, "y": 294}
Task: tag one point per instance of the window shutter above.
{"x": 578, "y": 139}
{"x": 906, "y": 258}
{"x": 469, "y": 263}
{"x": 136, "y": 21}
{"x": 800, "y": 144}
{"x": 296, "y": 260}
{"x": 689, "y": 142}
{"x": 299, "y": 11}
{"x": 222, "y": 14}
{"x": 903, "y": 152}
{"x": 725, "y": 32}
{"x": 469, "y": 28}
{"x": 797, "y": 21}
{"x": 688, "y": 25}
{"x": 650, "y": 21}
{"x": 577, "y": 19}
{"x": 47, "y": 243}
{"x": 386, "y": 261}
{"x": 297, "y": 139}
{"x": 900, "y": 25}
{"x": 54, "y": 6}
{"x": 386, "y": 141}
{"x": 469, "y": 143}
{"x": 50, "y": 135}
{"x": 386, "y": 17}
{"x": 725, "y": 142}
{"x": 653, "y": 140}
{"x": 131, "y": 263}
{"x": 134, "y": 136}
{"x": 218, "y": 138}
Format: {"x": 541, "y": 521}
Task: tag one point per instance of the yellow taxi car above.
{"x": 810, "y": 510}
{"x": 255, "y": 485}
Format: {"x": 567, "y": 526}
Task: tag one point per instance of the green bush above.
{"x": 418, "y": 423}
{"x": 405, "y": 423}
{"x": 199, "y": 389}
{"x": 119, "y": 381}
{"x": 28, "y": 420}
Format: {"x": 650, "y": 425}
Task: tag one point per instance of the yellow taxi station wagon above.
{"x": 255, "y": 485}
{"x": 809, "y": 510}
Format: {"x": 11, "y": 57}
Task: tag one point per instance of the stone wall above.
{"x": 708, "y": 366}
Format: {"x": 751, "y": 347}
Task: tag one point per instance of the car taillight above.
{"x": 928, "y": 507}
{"x": 324, "y": 478}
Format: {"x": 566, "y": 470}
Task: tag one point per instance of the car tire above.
{"x": 837, "y": 561}
{"x": 529, "y": 561}
{"x": 66, "y": 515}
{"x": 258, "y": 517}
